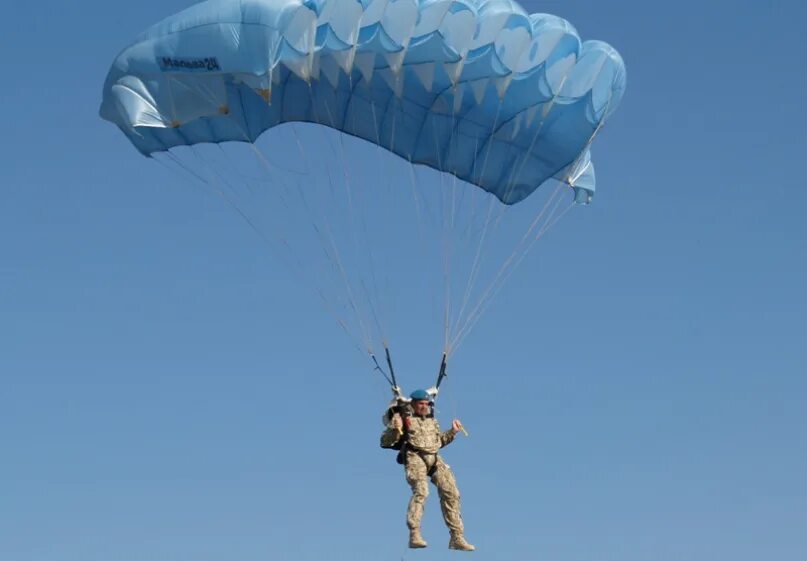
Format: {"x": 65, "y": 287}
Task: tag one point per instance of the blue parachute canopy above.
{"x": 480, "y": 89}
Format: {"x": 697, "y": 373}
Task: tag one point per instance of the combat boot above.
{"x": 416, "y": 541}
{"x": 458, "y": 542}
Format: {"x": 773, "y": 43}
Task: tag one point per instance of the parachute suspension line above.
{"x": 331, "y": 250}
{"x": 472, "y": 220}
{"x": 298, "y": 271}
{"x": 334, "y": 249}
{"x": 375, "y": 314}
{"x": 354, "y": 230}
{"x": 450, "y": 249}
{"x": 246, "y": 180}
{"x": 422, "y": 215}
{"x": 445, "y": 243}
{"x": 282, "y": 193}
{"x": 522, "y": 249}
{"x": 416, "y": 199}
{"x": 507, "y": 268}
{"x": 520, "y": 253}
{"x": 270, "y": 167}
{"x": 544, "y": 229}
{"x": 452, "y": 144}
{"x": 452, "y": 151}
{"x": 362, "y": 341}
{"x": 283, "y": 240}
{"x": 373, "y": 297}
{"x": 396, "y": 102}
{"x": 333, "y": 254}
{"x": 449, "y": 211}
{"x": 482, "y": 303}
{"x": 550, "y": 223}
{"x": 552, "y": 220}
{"x": 422, "y": 209}
{"x": 300, "y": 148}
{"x": 213, "y": 188}
{"x": 301, "y": 269}
{"x": 470, "y": 320}
{"x": 447, "y": 346}
{"x": 446, "y": 280}
{"x": 182, "y": 165}
{"x": 382, "y": 161}
{"x": 215, "y": 174}
{"x": 475, "y": 268}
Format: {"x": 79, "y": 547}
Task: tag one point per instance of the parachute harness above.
{"x": 399, "y": 399}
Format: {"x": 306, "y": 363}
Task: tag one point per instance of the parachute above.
{"x": 486, "y": 94}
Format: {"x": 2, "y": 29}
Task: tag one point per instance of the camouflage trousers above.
{"x": 418, "y": 470}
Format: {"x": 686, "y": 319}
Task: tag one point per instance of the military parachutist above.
{"x": 412, "y": 428}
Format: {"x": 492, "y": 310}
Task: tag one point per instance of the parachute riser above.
{"x": 393, "y": 382}
{"x": 389, "y": 377}
{"x": 441, "y": 374}
{"x": 391, "y": 370}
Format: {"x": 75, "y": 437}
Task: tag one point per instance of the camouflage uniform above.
{"x": 422, "y": 463}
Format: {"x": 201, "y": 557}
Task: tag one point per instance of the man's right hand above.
{"x": 396, "y": 422}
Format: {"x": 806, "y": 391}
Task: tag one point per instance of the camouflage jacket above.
{"x": 424, "y": 435}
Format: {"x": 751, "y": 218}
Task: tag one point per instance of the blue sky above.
{"x": 637, "y": 392}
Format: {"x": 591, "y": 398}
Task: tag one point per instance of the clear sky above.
{"x": 638, "y": 392}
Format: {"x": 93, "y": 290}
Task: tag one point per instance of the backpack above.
{"x": 399, "y": 444}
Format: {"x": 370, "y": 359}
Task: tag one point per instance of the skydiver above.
{"x": 422, "y": 438}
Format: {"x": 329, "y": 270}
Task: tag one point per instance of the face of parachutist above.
{"x": 421, "y": 407}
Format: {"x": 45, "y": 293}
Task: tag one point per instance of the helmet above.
{"x": 420, "y": 395}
